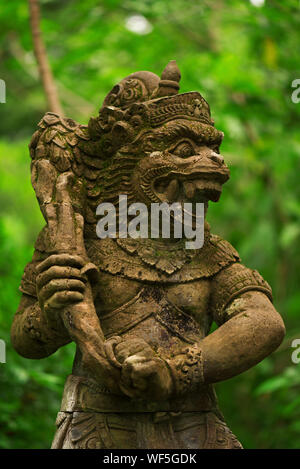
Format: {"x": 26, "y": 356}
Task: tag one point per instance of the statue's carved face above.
{"x": 179, "y": 162}
{"x": 159, "y": 146}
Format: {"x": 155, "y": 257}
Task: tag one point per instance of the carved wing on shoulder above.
{"x": 66, "y": 146}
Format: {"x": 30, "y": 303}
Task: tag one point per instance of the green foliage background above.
{"x": 243, "y": 59}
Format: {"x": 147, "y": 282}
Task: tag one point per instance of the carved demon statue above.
{"x": 139, "y": 310}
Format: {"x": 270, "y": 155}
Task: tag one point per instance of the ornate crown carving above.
{"x": 187, "y": 105}
{"x": 143, "y": 99}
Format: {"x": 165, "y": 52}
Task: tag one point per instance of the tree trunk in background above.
{"x": 42, "y": 59}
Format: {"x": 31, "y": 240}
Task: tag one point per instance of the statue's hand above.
{"x": 146, "y": 378}
{"x": 60, "y": 283}
{"x": 135, "y": 346}
{"x": 143, "y": 374}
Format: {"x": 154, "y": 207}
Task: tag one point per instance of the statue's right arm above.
{"x": 31, "y": 334}
{"x": 38, "y": 330}
{"x": 49, "y": 284}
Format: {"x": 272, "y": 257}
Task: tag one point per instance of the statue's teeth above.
{"x": 172, "y": 190}
{"x": 189, "y": 189}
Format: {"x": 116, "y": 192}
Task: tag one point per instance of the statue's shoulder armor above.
{"x": 215, "y": 255}
{"x": 231, "y": 282}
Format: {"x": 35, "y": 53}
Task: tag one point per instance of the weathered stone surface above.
{"x": 139, "y": 310}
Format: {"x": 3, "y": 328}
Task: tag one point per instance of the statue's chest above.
{"x": 118, "y": 298}
{"x": 132, "y": 294}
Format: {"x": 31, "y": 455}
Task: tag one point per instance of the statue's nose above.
{"x": 217, "y": 157}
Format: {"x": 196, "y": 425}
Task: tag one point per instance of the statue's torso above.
{"x": 168, "y": 312}
{"x": 167, "y": 317}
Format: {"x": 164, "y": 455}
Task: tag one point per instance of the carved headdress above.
{"x": 112, "y": 155}
{"x": 129, "y": 149}
{"x": 143, "y": 98}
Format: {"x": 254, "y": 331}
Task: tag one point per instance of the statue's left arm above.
{"x": 249, "y": 330}
{"x": 253, "y": 332}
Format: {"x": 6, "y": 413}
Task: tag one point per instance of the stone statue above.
{"x": 139, "y": 309}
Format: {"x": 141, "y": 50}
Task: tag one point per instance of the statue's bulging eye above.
{"x": 183, "y": 149}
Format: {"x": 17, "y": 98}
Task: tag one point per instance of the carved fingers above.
{"x": 142, "y": 373}
{"x": 60, "y": 281}
{"x": 146, "y": 378}
{"x": 135, "y": 346}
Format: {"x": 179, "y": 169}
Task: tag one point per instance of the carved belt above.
{"x": 85, "y": 395}
{"x": 151, "y": 301}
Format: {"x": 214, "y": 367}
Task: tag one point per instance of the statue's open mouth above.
{"x": 197, "y": 186}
